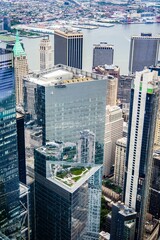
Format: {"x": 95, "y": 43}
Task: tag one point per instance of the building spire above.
{"x": 18, "y": 49}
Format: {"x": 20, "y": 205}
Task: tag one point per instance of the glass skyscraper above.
{"x": 70, "y": 106}
{"x": 67, "y": 194}
{"x": 9, "y": 179}
{"x": 67, "y": 101}
{"x": 139, "y": 155}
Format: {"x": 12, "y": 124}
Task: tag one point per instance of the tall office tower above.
{"x": 113, "y": 131}
{"x": 69, "y": 205}
{"x": 46, "y": 54}
{"x": 102, "y": 54}
{"x": 141, "y": 130}
{"x": 112, "y": 85}
{"x": 154, "y": 207}
{"x": 67, "y": 101}
{"x": 123, "y": 222}
{"x": 86, "y": 147}
{"x": 112, "y": 91}
{"x": 6, "y": 23}
{"x": 144, "y": 52}
{"x": 9, "y": 179}
{"x": 21, "y": 147}
{"x": 124, "y": 89}
{"x": 120, "y": 157}
{"x": 20, "y": 68}
{"x": 157, "y": 130}
{"x": 68, "y": 48}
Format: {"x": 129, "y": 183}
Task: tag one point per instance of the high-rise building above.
{"x": 123, "y": 222}
{"x": 157, "y": 130}
{"x": 102, "y": 54}
{"x": 46, "y": 54}
{"x": 124, "y": 89}
{"x": 112, "y": 85}
{"x": 68, "y": 207}
{"x": 21, "y": 147}
{"x": 112, "y": 91}
{"x": 120, "y": 157}
{"x": 6, "y": 23}
{"x": 68, "y": 48}
{"x": 144, "y": 52}
{"x": 20, "y": 68}
{"x": 68, "y": 101}
{"x": 139, "y": 155}
{"x": 9, "y": 179}
{"x": 154, "y": 207}
{"x": 113, "y": 131}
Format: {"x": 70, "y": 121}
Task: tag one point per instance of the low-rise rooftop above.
{"x": 124, "y": 209}
{"x": 6, "y": 38}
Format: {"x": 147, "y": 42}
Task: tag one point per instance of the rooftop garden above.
{"x": 68, "y": 174}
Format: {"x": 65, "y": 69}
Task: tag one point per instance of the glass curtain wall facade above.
{"x": 64, "y": 212}
{"x": 9, "y": 179}
{"x": 143, "y": 109}
{"x": 68, "y": 111}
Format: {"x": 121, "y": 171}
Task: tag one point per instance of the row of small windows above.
{"x": 131, "y": 190}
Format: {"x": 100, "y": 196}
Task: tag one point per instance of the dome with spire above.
{"x": 18, "y": 49}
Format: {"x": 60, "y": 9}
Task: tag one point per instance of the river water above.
{"x": 119, "y": 36}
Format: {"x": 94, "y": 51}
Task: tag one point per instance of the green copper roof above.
{"x": 18, "y": 49}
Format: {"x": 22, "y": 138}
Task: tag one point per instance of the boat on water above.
{"x": 85, "y": 27}
{"x": 104, "y": 25}
{"x": 98, "y": 24}
{"x": 149, "y": 22}
{"x": 109, "y": 25}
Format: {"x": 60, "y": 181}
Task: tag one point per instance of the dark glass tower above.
{"x": 21, "y": 147}
{"x": 139, "y": 155}
{"x": 123, "y": 222}
{"x": 102, "y": 54}
{"x": 6, "y": 23}
{"x": 70, "y": 101}
{"x": 67, "y": 205}
{"x": 144, "y": 51}
{"x": 154, "y": 207}
{"x": 68, "y": 48}
{"x": 9, "y": 178}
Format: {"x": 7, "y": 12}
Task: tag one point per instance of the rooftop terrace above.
{"x": 59, "y": 151}
{"x": 69, "y": 176}
{"x": 61, "y": 75}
